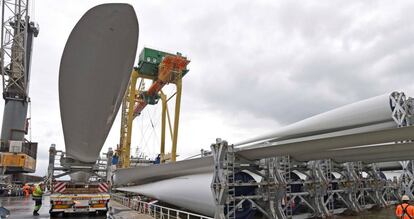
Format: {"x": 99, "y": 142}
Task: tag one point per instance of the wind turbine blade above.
{"x": 94, "y": 72}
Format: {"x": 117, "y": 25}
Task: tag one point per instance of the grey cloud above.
{"x": 303, "y": 58}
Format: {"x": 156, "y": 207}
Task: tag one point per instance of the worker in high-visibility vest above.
{"x": 37, "y": 197}
{"x": 405, "y": 210}
{"x": 26, "y": 190}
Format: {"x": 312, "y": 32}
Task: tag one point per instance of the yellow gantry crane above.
{"x": 162, "y": 68}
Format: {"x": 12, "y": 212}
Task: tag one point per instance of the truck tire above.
{"x": 102, "y": 212}
{"x": 54, "y": 214}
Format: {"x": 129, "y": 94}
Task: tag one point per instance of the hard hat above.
{"x": 405, "y": 198}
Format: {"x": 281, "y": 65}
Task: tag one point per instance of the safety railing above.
{"x": 153, "y": 210}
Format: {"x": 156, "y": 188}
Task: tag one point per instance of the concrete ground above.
{"x": 118, "y": 211}
{"x": 21, "y": 208}
{"x": 384, "y": 213}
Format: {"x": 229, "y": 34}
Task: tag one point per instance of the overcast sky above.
{"x": 255, "y": 65}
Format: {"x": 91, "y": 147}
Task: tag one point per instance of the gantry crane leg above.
{"x": 126, "y": 144}
{"x": 176, "y": 119}
{"x": 163, "y": 121}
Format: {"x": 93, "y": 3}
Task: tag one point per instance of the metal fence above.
{"x": 155, "y": 211}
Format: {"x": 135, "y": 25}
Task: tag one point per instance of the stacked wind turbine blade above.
{"x": 363, "y": 130}
{"x": 373, "y": 114}
{"x": 147, "y": 174}
{"x": 368, "y": 145}
{"x": 360, "y": 123}
{"x": 189, "y": 191}
{"x": 94, "y": 73}
{"x": 335, "y": 147}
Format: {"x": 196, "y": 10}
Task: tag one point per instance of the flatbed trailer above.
{"x": 73, "y": 196}
{"x": 70, "y": 198}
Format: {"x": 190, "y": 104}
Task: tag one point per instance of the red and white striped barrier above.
{"x": 59, "y": 187}
{"x": 103, "y": 187}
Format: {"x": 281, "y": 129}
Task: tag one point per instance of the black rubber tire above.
{"x": 102, "y": 212}
{"x": 54, "y": 214}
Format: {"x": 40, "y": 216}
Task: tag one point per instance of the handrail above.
{"x": 156, "y": 211}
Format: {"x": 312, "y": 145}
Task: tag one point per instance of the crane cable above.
{"x": 144, "y": 138}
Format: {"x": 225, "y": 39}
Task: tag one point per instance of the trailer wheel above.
{"x": 54, "y": 214}
{"x": 102, "y": 212}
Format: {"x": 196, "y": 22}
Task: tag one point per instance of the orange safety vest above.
{"x": 404, "y": 211}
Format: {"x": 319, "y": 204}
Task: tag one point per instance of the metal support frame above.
{"x": 321, "y": 199}
{"x": 286, "y": 198}
{"x": 226, "y": 165}
{"x": 376, "y": 185}
{"x": 406, "y": 179}
{"x": 391, "y": 192}
{"x": 403, "y": 116}
{"x": 109, "y": 165}
{"x": 322, "y": 194}
{"x": 363, "y": 192}
{"x": 60, "y": 165}
{"x": 101, "y": 169}
{"x": 284, "y": 195}
{"x": 352, "y": 185}
{"x": 401, "y": 108}
{"x": 278, "y": 187}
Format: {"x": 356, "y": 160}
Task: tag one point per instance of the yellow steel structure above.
{"x": 124, "y": 150}
{"x": 176, "y": 119}
{"x": 163, "y": 118}
{"x": 173, "y": 131}
{"x": 133, "y": 98}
